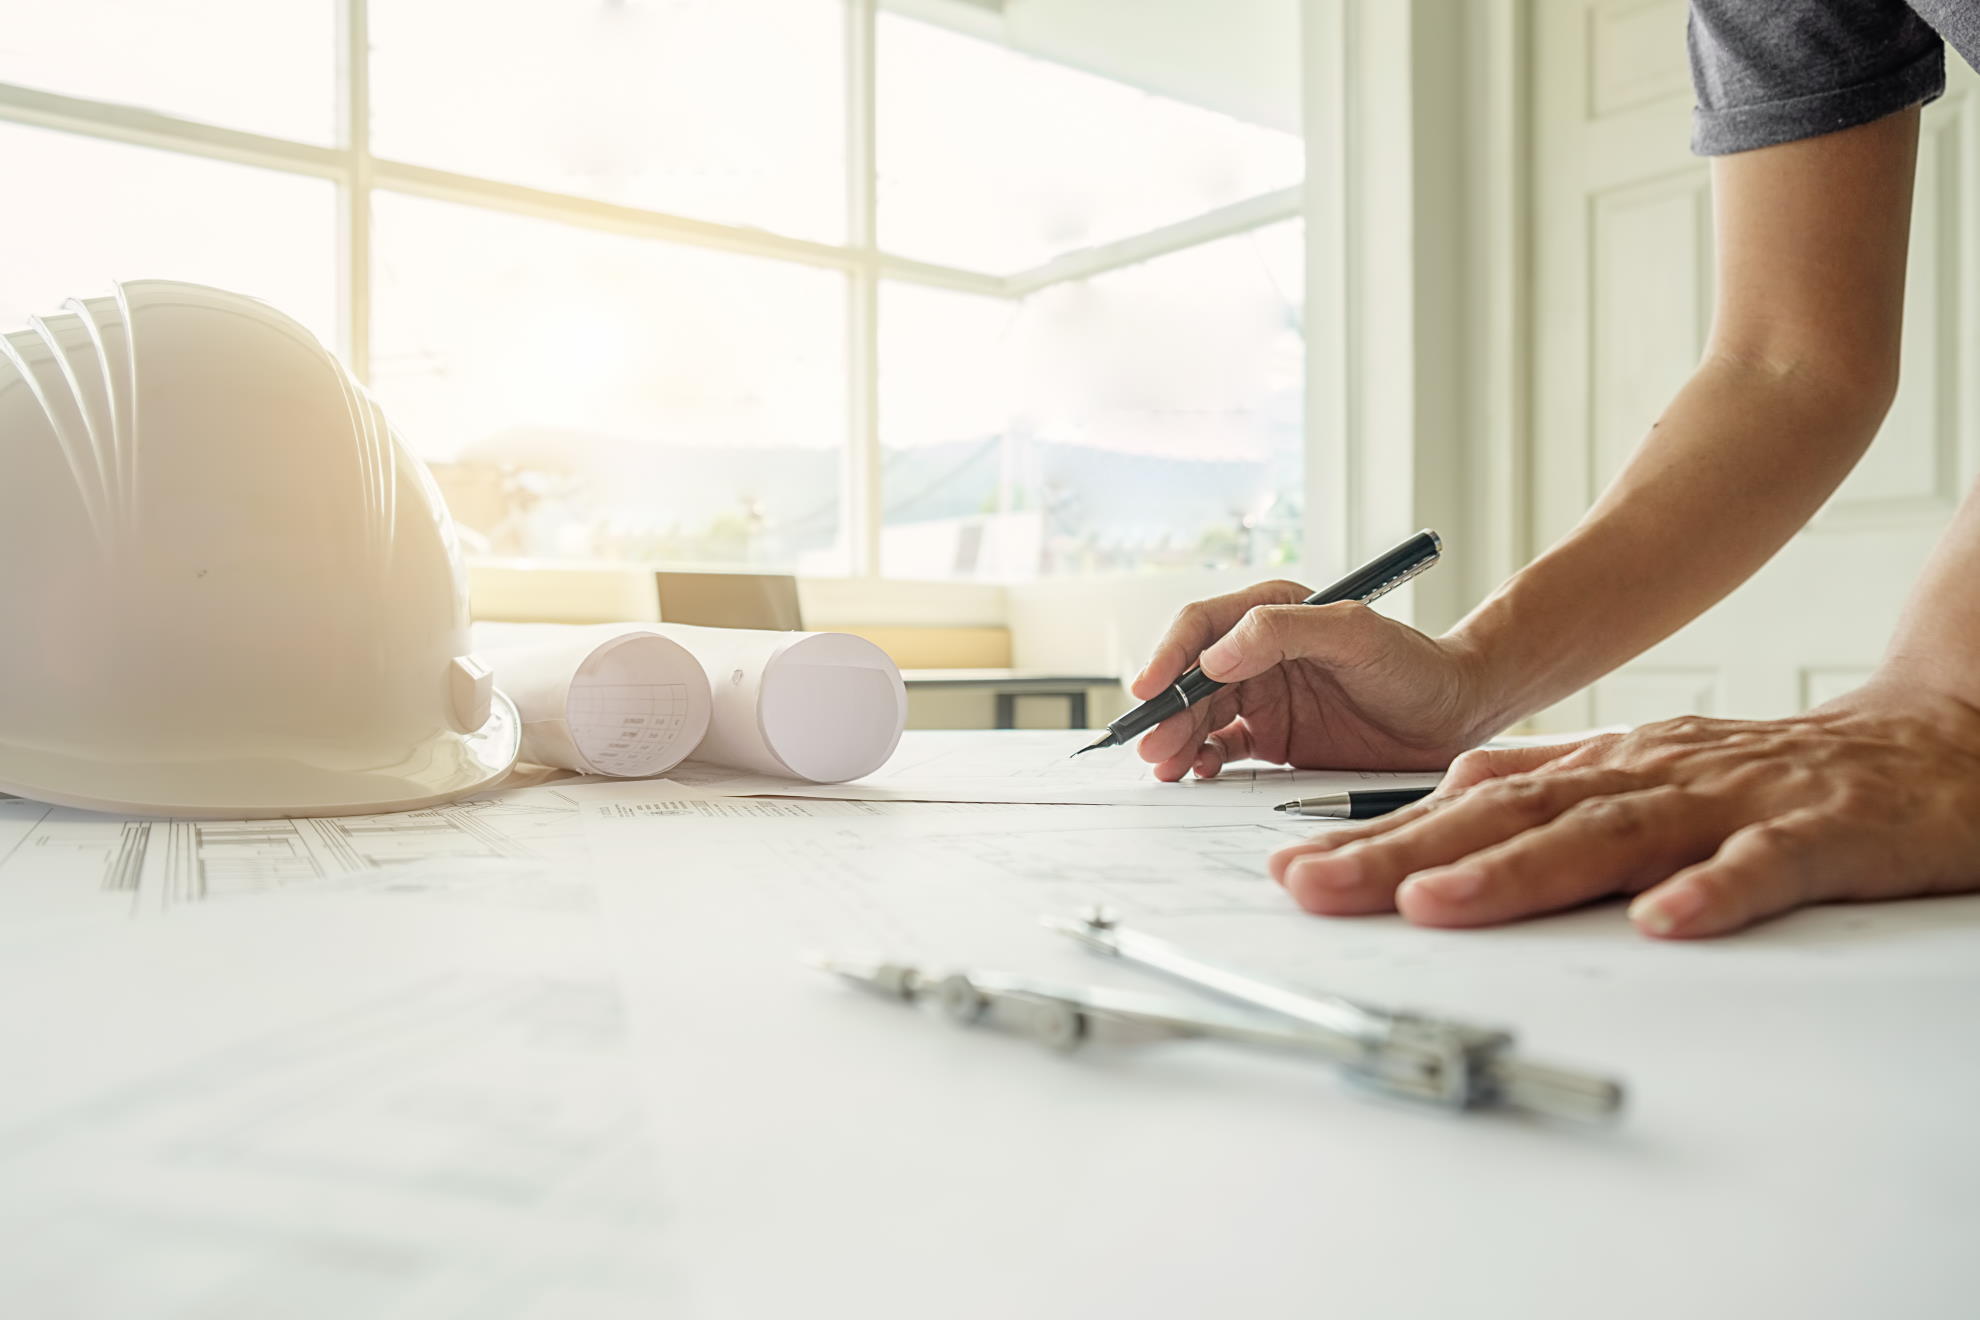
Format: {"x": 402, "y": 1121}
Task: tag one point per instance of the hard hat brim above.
{"x": 448, "y": 766}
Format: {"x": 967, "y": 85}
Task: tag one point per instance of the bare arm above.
{"x": 1937, "y": 643}
{"x": 1799, "y": 371}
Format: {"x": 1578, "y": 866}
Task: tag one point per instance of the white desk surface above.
{"x": 1801, "y": 1139}
{"x": 428, "y": 1088}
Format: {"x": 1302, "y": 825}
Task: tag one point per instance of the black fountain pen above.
{"x": 1372, "y": 580}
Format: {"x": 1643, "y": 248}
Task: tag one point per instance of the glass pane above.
{"x": 267, "y": 66}
{"x": 1147, "y": 418}
{"x": 104, "y": 211}
{"x": 996, "y": 160}
{"x": 727, "y": 110}
{"x": 588, "y": 396}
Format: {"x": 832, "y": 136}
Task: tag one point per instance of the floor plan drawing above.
{"x": 60, "y": 860}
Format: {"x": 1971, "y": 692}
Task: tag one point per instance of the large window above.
{"x": 924, "y": 288}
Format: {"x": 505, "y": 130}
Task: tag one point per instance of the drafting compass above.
{"x": 1434, "y": 1060}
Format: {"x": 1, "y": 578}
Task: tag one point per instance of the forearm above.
{"x": 1743, "y": 456}
{"x": 1937, "y": 642}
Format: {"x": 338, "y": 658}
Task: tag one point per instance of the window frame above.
{"x": 356, "y": 173}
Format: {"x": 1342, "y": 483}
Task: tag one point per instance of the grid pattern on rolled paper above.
{"x": 628, "y": 728}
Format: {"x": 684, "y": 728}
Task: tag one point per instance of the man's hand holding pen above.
{"x": 1338, "y": 686}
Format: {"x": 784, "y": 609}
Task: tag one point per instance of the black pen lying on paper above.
{"x": 1358, "y": 804}
{"x": 1373, "y": 579}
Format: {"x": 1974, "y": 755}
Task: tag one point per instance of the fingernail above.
{"x": 1451, "y": 884}
{"x": 1661, "y": 912}
{"x": 1211, "y": 662}
{"x": 1341, "y": 870}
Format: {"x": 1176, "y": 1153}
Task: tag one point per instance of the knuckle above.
{"x": 1771, "y": 860}
{"x": 1270, "y": 621}
{"x": 1692, "y": 728}
{"x": 1661, "y": 733}
{"x": 1771, "y": 841}
{"x": 1665, "y": 761}
{"x": 1283, "y": 590}
{"x": 1191, "y": 617}
{"x": 1618, "y": 819}
{"x": 1527, "y": 797}
{"x": 1595, "y": 751}
{"x": 1752, "y": 777}
{"x": 1856, "y": 799}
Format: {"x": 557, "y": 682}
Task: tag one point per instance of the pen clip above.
{"x": 1382, "y": 589}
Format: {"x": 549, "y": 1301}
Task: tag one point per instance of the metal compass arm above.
{"x": 1066, "y": 1016}
{"x": 1441, "y": 1060}
{"x": 1410, "y": 1062}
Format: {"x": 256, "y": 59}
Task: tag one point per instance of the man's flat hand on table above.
{"x": 1712, "y": 824}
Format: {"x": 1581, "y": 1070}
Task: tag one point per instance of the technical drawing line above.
{"x": 26, "y": 834}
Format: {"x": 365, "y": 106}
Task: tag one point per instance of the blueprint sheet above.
{"x": 1037, "y": 766}
{"x": 1796, "y": 1093}
{"x": 353, "y": 1066}
{"x": 60, "y": 865}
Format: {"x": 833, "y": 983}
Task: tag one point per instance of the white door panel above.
{"x": 1622, "y": 264}
{"x": 1649, "y": 307}
{"x": 1631, "y": 58}
{"x": 1914, "y": 468}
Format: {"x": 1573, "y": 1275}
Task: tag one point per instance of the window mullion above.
{"x": 354, "y": 60}
{"x": 862, "y": 484}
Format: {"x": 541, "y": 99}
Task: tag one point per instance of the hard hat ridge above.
{"x": 64, "y": 404}
{"x": 253, "y": 602}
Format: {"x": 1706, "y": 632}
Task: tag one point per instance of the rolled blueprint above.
{"x": 630, "y": 703}
{"x": 826, "y": 707}
{"x": 822, "y": 707}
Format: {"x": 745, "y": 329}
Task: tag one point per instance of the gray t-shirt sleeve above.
{"x": 1769, "y": 71}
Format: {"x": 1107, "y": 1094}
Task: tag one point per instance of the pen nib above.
{"x": 1285, "y": 806}
{"x": 1105, "y": 740}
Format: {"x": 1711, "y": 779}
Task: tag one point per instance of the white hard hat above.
{"x": 228, "y": 589}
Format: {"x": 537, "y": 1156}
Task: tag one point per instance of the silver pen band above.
{"x": 1329, "y": 811}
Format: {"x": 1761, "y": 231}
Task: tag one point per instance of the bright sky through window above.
{"x": 602, "y": 261}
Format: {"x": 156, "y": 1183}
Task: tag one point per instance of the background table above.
{"x": 1010, "y": 684}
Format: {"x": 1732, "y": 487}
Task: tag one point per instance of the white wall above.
{"x": 1413, "y": 117}
{"x": 1237, "y": 56}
